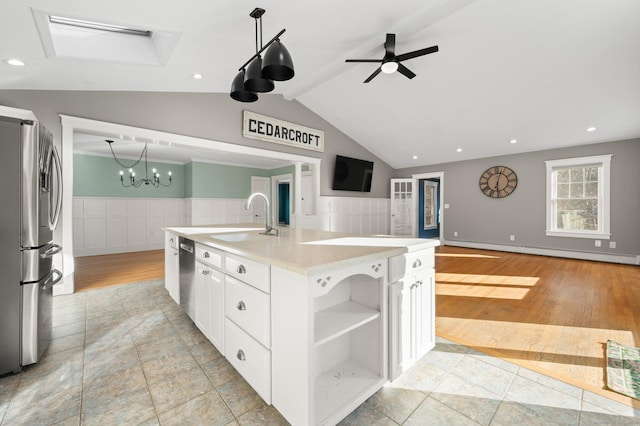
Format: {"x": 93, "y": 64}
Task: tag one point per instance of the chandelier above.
{"x": 154, "y": 180}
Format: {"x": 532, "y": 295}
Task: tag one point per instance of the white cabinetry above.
{"x": 171, "y": 266}
{"x": 209, "y": 315}
{"x": 411, "y": 309}
{"x": 329, "y": 342}
{"x": 247, "y": 329}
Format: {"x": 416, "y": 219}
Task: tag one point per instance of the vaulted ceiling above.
{"x": 536, "y": 71}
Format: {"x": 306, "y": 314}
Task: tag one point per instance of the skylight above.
{"x": 89, "y": 39}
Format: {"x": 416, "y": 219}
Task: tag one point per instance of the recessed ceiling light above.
{"x": 415, "y": 157}
{"x": 513, "y": 141}
{"x": 15, "y": 62}
{"x": 591, "y": 129}
{"x": 197, "y": 76}
{"x": 459, "y": 150}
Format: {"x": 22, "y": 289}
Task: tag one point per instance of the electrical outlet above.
{"x": 512, "y": 237}
{"x": 455, "y": 233}
{"x": 598, "y": 243}
{"x": 612, "y": 244}
{"x": 446, "y": 206}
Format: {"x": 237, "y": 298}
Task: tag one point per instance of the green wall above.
{"x": 100, "y": 177}
{"x": 95, "y": 176}
{"x": 221, "y": 181}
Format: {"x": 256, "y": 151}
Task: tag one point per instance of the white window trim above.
{"x": 604, "y": 185}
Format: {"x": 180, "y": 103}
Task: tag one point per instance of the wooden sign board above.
{"x": 269, "y": 129}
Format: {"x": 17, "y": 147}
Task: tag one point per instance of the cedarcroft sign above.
{"x": 256, "y": 126}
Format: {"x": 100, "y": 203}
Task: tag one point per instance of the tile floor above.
{"x": 129, "y": 355}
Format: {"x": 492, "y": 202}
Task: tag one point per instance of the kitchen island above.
{"x": 315, "y": 321}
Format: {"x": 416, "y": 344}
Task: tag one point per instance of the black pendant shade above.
{"x": 239, "y": 92}
{"x": 253, "y": 80}
{"x": 277, "y": 64}
{"x": 258, "y": 73}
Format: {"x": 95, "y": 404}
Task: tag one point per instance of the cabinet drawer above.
{"x": 209, "y": 256}
{"x": 250, "y": 358}
{"x": 249, "y": 308}
{"x": 249, "y": 271}
{"x": 410, "y": 263}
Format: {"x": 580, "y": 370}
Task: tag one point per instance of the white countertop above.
{"x": 303, "y": 251}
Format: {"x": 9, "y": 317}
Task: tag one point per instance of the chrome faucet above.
{"x": 268, "y": 228}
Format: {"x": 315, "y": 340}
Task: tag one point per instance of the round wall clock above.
{"x": 498, "y": 181}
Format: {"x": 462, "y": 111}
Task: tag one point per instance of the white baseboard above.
{"x": 599, "y": 257}
{"x": 113, "y": 250}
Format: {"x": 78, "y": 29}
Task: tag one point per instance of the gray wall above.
{"x": 205, "y": 115}
{"x": 480, "y": 219}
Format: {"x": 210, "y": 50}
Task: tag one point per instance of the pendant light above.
{"x": 277, "y": 64}
{"x": 238, "y": 90}
{"x": 253, "y": 78}
{"x": 257, "y": 74}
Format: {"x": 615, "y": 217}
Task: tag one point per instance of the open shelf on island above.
{"x": 340, "y": 385}
{"x": 340, "y": 319}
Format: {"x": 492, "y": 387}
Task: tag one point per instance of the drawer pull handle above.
{"x": 417, "y": 264}
{"x": 241, "y": 269}
{"x": 240, "y": 355}
{"x": 419, "y": 283}
{"x": 205, "y": 254}
{"x": 205, "y": 272}
{"x": 241, "y": 306}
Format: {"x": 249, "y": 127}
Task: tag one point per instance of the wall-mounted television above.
{"x": 351, "y": 174}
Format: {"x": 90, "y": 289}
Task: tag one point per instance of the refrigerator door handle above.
{"x": 52, "y": 280}
{"x": 56, "y": 189}
{"x": 52, "y": 251}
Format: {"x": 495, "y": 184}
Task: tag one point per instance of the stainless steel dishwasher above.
{"x": 187, "y": 276}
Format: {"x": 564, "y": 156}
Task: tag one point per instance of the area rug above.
{"x": 623, "y": 369}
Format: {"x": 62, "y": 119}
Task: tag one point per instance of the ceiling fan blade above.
{"x": 417, "y": 53}
{"x": 363, "y": 60}
{"x": 405, "y": 71}
{"x": 376, "y": 72}
{"x": 390, "y": 44}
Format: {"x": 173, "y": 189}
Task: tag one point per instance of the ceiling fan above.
{"x": 390, "y": 63}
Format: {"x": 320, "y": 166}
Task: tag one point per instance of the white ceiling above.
{"x": 539, "y": 71}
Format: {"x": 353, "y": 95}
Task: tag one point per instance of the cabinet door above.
{"x": 401, "y": 328}
{"x": 215, "y": 284}
{"x": 209, "y": 315}
{"x": 424, "y": 312}
{"x": 202, "y": 298}
{"x": 171, "y": 265}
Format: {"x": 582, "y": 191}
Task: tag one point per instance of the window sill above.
{"x": 592, "y": 235}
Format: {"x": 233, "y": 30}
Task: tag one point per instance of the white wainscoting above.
{"x": 104, "y": 225}
{"x": 355, "y": 215}
{"x": 214, "y": 211}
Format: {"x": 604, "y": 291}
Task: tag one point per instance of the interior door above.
{"x": 429, "y": 208}
{"x": 402, "y": 207}
{"x": 260, "y": 184}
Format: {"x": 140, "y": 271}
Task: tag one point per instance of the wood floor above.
{"x": 112, "y": 269}
{"x": 547, "y": 314}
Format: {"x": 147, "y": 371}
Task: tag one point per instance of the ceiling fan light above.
{"x": 253, "y": 80}
{"x": 239, "y": 92}
{"x": 389, "y": 67}
{"x": 277, "y": 63}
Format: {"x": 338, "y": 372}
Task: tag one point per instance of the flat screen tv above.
{"x": 351, "y": 174}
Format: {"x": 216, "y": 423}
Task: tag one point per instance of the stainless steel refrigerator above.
{"x": 31, "y": 188}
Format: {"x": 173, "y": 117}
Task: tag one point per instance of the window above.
{"x": 578, "y": 197}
